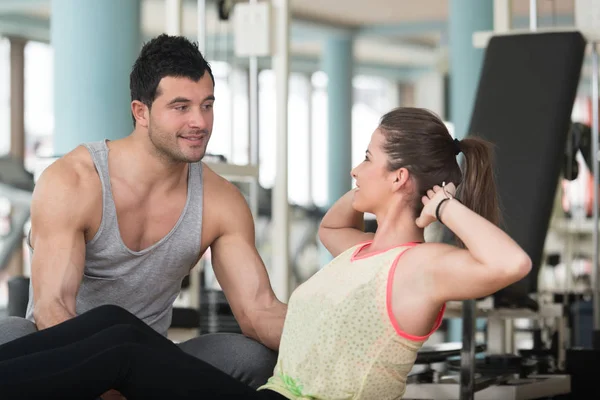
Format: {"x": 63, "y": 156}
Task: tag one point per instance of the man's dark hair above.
{"x": 164, "y": 56}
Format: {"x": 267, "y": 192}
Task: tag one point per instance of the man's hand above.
{"x": 48, "y": 312}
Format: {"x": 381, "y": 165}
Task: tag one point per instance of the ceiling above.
{"x": 357, "y": 12}
{"x": 372, "y": 12}
{"x": 362, "y": 13}
{"x": 388, "y": 32}
{"x": 344, "y": 12}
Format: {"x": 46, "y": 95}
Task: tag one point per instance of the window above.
{"x": 373, "y": 97}
{"x": 39, "y": 100}
{"x": 298, "y": 131}
{"x": 319, "y": 133}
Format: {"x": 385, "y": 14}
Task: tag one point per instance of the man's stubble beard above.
{"x": 163, "y": 150}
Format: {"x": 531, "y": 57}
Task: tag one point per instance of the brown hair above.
{"x": 418, "y": 140}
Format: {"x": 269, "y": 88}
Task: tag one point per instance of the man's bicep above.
{"x": 242, "y": 276}
{"x": 238, "y": 266}
{"x": 57, "y": 239}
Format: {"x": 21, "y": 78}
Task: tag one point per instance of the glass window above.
{"x": 298, "y": 140}
{"x": 240, "y": 116}
{"x": 266, "y": 127}
{"x": 220, "y": 141}
{"x": 319, "y": 134}
{"x": 372, "y": 99}
{"x": 231, "y": 124}
{"x": 39, "y": 99}
{"x": 298, "y": 131}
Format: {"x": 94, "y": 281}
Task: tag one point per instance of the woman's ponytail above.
{"x": 478, "y": 188}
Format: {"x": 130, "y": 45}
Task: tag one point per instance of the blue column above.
{"x": 95, "y": 44}
{"x": 337, "y": 63}
{"x": 466, "y": 17}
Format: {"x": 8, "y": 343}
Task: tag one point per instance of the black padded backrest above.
{"x": 523, "y": 105}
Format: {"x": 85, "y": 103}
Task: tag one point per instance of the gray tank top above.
{"x": 145, "y": 282}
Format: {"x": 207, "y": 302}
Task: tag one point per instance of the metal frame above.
{"x": 500, "y": 328}
{"x": 533, "y": 20}
{"x": 253, "y": 136}
{"x": 535, "y": 387}
{"x": 201, "y": 25}
{"x": 467, "y": 354}
{"x": 455, "y": 310}
{"x": 21, "y": 202}
{"x": 281, "y": 266}
{"x": 173, "y": 17}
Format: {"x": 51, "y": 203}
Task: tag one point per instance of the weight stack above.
{"x": 215, "y": 313}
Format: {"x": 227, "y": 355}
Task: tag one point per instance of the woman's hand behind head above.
{"x": 431, "y": 201}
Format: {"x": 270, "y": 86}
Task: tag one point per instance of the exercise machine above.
{"x": 523, "y": 105}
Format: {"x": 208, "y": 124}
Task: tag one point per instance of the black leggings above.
{"x": 109, "y": 348}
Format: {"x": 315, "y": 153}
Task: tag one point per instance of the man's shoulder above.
{"x": 74, "y": 170}
{"x": 215, "y": 182}
{"x": 218, "y": 188}
{"x": 68, "y": 191}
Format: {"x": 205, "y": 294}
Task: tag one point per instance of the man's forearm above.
{"x": 267, "y": 324}
{"x": 50, "y": 314}
{"x": 274, "y": 328}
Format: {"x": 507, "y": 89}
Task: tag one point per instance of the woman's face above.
{"x": 374, "y": 181}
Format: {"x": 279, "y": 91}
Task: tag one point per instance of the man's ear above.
{"x": 401, "y": 177}
{"x": 140, "y": 112}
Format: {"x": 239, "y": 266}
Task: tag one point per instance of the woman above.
{"x": 354, "y": 328}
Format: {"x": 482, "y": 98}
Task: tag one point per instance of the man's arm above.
{"x": 241, "y": 272}
{"x": 57, "y": 237}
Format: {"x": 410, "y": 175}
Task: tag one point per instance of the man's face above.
{"x": 181, "y": 118}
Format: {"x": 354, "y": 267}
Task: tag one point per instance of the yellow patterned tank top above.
{"x": 340, "y": 339}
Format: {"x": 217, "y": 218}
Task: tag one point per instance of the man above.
{"x": 123, "y": 222}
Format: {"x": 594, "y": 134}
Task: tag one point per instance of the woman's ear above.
{"x": 401, "y": 177}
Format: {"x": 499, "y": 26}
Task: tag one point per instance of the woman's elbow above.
{"x": 520, "y": 267}
{"x": 324, "y": 235}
